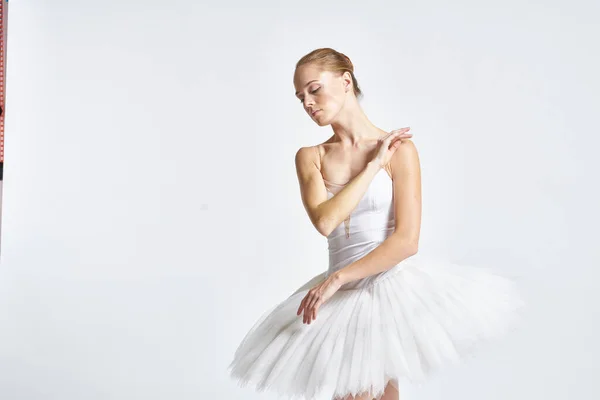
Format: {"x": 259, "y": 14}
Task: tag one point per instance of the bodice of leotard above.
{"x": 369, "y": 224}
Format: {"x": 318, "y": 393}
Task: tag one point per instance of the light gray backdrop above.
{"x": 151, "y": 211}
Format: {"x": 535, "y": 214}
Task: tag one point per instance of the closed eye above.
{"x": 313, "y": 92}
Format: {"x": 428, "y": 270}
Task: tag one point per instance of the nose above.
{"x": 308, "y": 102}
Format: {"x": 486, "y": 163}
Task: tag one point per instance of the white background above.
{"x": 151, "y": 210}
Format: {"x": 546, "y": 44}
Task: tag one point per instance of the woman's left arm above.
{"x": 404, "y": 242}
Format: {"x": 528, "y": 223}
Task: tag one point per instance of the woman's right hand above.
{"x": 388, "y": 144}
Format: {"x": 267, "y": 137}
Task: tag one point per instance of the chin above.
{"x": 322, "y": 121}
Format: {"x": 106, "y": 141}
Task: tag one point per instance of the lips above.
{"x": 315, "y": 112}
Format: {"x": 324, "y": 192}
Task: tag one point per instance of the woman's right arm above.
{"x": 326, "y": 214}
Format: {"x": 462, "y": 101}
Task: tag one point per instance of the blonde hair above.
{"x": 331, "y": 60}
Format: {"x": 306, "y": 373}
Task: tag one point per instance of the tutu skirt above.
{"x": 405, "y": 324}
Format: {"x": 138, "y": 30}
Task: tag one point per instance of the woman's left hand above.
{"x": 317, "y": 296}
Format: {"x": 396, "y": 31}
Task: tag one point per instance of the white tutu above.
{"x": 405, "y": 324}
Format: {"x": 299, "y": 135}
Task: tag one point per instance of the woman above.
{"x": 380, "y": 312}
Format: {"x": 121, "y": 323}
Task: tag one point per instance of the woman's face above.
{"x": 321, "y": 93}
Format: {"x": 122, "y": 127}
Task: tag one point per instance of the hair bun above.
{"x": 348, "y": 60}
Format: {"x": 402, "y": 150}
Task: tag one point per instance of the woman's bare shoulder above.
{"x": 313, "y": 154}
{"x": 307, "y": 153}
{"x": 405, "y": 158}
{"x": 307, "y": 158}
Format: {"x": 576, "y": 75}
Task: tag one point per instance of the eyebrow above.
{"x": 314, "y": 80}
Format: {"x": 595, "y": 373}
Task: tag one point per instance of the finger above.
{"x": 403, "y": 136}
{"x": 394, "y": 146}
{"x": 301, "y": 306}
{"x": 316, "y": 309}
{"x": 386, "y": 136}
{"x": 312, "y": 306}
{"x": 306, "y": 308}
{"x": 395, "y": 131}
{"x": 393, "y": 136}
{"x": 401, "y": 130}
{"x": 394, "y": 142}
{"x": 308, "y": 311}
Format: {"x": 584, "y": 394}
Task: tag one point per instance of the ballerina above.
{"x": 381, "y": 312}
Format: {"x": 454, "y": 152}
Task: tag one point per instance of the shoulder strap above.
{"x": 318, "y": 156}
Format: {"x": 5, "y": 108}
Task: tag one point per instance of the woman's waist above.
{"x": 373, "y": 224}
{"x": 342, "y": 254}
{"x": 344, "y": 244}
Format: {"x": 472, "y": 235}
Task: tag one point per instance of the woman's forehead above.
{"x": 305, "y": 76}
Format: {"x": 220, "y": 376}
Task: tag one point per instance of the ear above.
{"x": 347, "y": 80}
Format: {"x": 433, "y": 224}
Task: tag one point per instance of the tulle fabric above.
{"x": 407, "y": 323}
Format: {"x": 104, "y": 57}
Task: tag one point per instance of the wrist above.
{"x": 374, "y": 165}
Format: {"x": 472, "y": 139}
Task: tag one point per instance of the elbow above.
{"x": 324, "y": 226}
{"x": 409, "y": 246}
{"x": 413, "y": 249}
